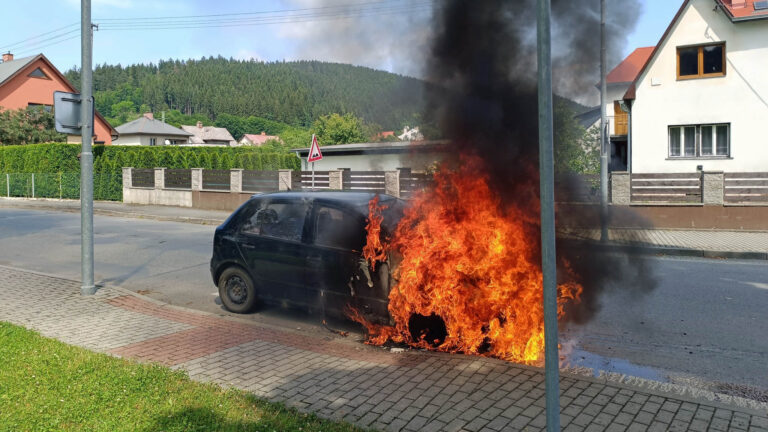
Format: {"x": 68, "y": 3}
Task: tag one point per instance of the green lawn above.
{"x": 46, "y": 385}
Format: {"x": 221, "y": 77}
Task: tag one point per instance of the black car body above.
{"x": 304, "y": 249}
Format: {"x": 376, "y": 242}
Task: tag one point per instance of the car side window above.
{"x": 278, "y": 220}
{"x": 339, "y": 229}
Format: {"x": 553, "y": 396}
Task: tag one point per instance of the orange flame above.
{"x": 373, "y": 251}
{"x": 472, "y": 261}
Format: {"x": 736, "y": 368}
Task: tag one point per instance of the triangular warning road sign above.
{"x": 314, "y": 151}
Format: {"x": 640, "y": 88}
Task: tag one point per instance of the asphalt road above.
{"x": 705, "y": 322}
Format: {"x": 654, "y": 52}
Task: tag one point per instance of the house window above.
{"x": 690, "y": 141}
{"x": 701, "y": 61}
{"x": 153, "y": 141}
{"x": 44, "y": 107}
{"x": 38, "y": 73}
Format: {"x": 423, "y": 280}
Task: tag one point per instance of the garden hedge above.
{"x": 57, "y": 168}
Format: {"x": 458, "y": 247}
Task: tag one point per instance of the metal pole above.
{"x": 33, "y": 185}
{"x": 547, "y": 194}
{"x": 8, "y": 184}
{"x": 86, "y": 155}
{"x": 313, "y": 176}
{"x": 603, "y": 133}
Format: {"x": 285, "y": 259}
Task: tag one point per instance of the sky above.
{"x": 391, "y": 41}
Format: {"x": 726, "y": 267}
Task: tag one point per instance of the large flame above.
{"x": 470, "y": 260}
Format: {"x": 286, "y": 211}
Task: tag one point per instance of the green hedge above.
{"x": 57, "y": 169}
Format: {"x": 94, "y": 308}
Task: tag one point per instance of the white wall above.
{"x": 135, "y": 140}
{"x": 376, "y": 162}
{"x": 739, "y": 98}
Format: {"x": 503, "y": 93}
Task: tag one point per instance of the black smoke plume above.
{"x": 484, "y": 55}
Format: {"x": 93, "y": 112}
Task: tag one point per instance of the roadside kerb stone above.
{"x": 342, "y": 379}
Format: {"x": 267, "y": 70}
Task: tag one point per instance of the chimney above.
{"x": 7, "y": 57}
{"x": 149, "y": 116}
{"x": 199, "y": 125}
{"x": 263, "y": 133}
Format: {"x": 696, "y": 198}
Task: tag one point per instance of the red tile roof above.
{"x": 628, "y": 69}
{"x": 258, "y": 140}
{"x": 743, "y": 8}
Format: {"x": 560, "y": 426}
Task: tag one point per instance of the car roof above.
{"x": 346, "y": 197}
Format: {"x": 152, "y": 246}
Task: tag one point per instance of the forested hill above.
{"x": 295, "y": 93}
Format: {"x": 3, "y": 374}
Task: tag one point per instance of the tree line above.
{"x": 292, "y": 93}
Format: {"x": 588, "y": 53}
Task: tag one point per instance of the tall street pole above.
{"x": 547, "y": 194}
{"x": 604, "y": 144}
{"x": 86, "y": 155}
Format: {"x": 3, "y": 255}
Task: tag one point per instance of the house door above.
{"x": 620, "y": 120}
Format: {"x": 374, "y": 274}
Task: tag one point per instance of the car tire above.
{"x": 236, "y": 290}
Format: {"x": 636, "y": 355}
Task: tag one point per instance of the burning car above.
{"x": 304, "y": 249}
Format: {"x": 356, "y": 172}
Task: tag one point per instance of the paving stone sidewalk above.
{"x": 343, "y": 379}
{"x": 726, "y": 241}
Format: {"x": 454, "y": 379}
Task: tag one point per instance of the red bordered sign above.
{"x": 314, "y": 151}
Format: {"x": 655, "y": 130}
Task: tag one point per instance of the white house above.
{"x": 148, "y": 131}
{"x": 700, "y": 102}
{"x": 385, "y": 156}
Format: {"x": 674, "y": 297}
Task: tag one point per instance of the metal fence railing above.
{"x": 260, "y": 181}
{"x": 106, "y": 186}
{"x": 178, "y": 179}
{"x": 216, "y": 179}
{"x": 143, "y": 178}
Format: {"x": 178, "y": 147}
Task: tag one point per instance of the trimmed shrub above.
{"x": 57, "y": 167}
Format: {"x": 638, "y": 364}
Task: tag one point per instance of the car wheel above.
{"x": 236, "y": 290}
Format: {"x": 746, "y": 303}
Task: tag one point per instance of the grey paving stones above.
{"x": 371, "y": 388}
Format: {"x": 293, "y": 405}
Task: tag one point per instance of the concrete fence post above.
{"x": 236, "y": 180}
{"x": 284, "y": 180}
{"x": 159, "y": 178}
{"x": 621, "y": 188}
{"x": 713, "y": 184}
{"x": 197, "y": 179}
{"x": 127, "y": 177}
{"x": 335, "y": 180}
{"x": 392, "y": 183}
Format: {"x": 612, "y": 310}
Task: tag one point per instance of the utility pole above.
{"x": 86, "y": 155}
{"x": 604, "y": 144}
{"x": 547, "y": 196}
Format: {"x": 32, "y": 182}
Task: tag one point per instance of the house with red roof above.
{"x": 698, "y": 100}
{"x": 257, "y": 140}
{"x": 31, "y": 81}
{"x": 618, "y": 81}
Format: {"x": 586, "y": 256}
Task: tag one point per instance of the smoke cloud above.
{"x": 484, "y": 54}
{"x": 398, "y": 38}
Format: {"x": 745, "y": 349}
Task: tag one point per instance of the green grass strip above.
{"x": 46, "y": 385}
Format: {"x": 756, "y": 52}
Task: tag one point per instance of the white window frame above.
{"x": 699, "y": 154}
{"x": 153, "y": 141}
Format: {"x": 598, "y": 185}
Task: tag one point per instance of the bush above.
{"x": 57, "y": 167}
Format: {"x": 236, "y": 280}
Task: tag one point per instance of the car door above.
{"x": 272, "y": 242}
{"x": 334, "y": 254}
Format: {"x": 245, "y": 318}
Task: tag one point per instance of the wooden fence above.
{"x": 216, "y": 179}
{"x": 178, "y": 179}
{"x": 321, "y": 180}
{"x": 260, "y": 181}
{"x": 143, "y": 178}
{"x": 681, "y": 188}
{"x": 364, "y": 181}
{"x": 746, "y": 188}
